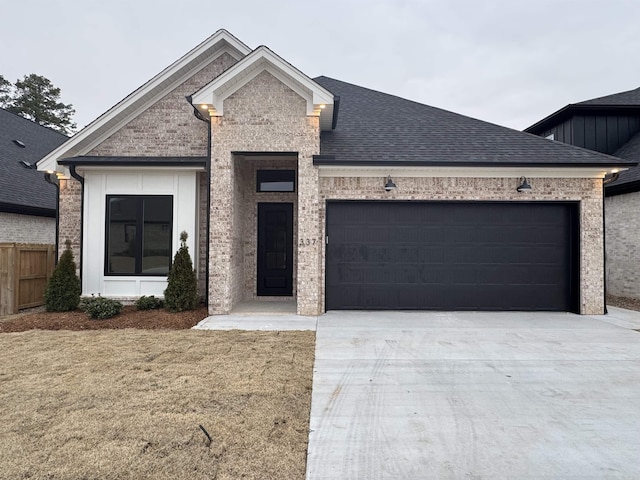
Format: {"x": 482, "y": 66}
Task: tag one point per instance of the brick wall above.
{"x": 69, "y": 215}
{"x": 587, "y": 191}
{"x": 15, "y": 228}
{"x": 623, "y": 245}
{"x": 263, "y": 116}
{"x": 167, "y": 128}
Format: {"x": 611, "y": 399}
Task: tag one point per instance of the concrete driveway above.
{"x": 475, "y": 396}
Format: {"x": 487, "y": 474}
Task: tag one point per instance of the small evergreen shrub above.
{"x": 62, "y": 293}
{"x": 149, "y": 303}
{"x": 182, "y": 289}
{"x": 100, "y": 307}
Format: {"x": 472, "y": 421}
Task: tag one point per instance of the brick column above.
{"x": 309, "y": 238}
{"x": 221, "y": 228}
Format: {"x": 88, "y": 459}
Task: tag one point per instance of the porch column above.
{"x": 309, "y": 238}
{"x": 221, "y": 228}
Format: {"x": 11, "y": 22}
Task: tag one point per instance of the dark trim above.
{"x": 573, "y": 108}
{"x": 48, "y": 178}
{"x": 74, "y": 174}
{"x": 201, "y": 117}
{"x": 88, "y": 161}
{"x": 265, "y": 154}
{"x": 330, "y": 160}
{"x": 629, "y": 187}
{"x": 336, "y": 109}
{"x": 27, "y": 210}
{"x": 207, "y": 248}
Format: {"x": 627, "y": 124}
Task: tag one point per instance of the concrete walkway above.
{"x": 475, "y": 396}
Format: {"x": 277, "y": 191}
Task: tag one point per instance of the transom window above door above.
{"x": 276, "y": 181}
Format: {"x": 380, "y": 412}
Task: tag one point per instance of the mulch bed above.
{"x": 128, "y": 318}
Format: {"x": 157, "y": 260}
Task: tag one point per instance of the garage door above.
{"x": 452, "y": 256}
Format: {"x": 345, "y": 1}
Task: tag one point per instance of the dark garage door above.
{"x": 452, "y": 256}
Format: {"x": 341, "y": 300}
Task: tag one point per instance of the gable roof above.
{"x": 628, "y": 180}
{"x": 137, "y": 102}
{"x": 212, "y": 96}
{"x": 628, "y": 101}
{"x": 376, "y": 128}
{"x": 22, "y": 189}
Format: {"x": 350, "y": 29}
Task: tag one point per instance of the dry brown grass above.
{"x": 127, "y": 404}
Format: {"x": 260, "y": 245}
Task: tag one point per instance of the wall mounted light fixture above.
{"x": 524, "y": 185}
{"x": 389, "y": 186}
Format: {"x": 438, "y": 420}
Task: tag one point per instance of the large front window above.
{"x": 139, "y": 233}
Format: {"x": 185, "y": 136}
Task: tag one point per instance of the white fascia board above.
{"x": 144, "y": 97}
{"x": 470, "y": 172}
{"x": 261, "y": 59}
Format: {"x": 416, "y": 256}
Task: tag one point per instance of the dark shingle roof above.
{"x": 629, "y": 180}
{"x": 628, "y": 98}
{"x": 24, "y": 189}
{"x": 377, "y": 128}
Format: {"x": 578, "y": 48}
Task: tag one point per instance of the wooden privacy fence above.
{"x": 24, "y": 271}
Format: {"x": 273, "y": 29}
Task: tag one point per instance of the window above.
{"x": 139, "y": 233}
{"x": 276, "y": 181}
{"x": 551, "y": 136}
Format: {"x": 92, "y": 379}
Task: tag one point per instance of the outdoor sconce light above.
{"x": 389, "y": 186}
{"x": 524, "y": 185}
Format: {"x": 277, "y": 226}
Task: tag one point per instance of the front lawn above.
{"x": 128, "y": 403}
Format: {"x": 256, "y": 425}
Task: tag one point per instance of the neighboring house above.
{"x": 325, "y": 193}
{"x": 27, "y": 201}
{"x": 610, "y": 125}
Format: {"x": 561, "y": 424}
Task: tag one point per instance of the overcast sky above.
{"x": 510, "y": 62}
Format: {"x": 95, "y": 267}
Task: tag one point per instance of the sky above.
{"x": 509, "y": 62}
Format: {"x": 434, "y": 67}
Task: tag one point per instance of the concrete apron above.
{"x": 475, "y": 396}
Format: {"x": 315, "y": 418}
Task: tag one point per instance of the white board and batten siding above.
{"x": 98, "y": 184}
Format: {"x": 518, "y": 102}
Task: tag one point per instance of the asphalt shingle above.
{"x": 374, "y": 127}
{"x": 21, "y": 186}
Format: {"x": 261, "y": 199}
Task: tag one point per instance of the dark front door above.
{"x": 275, "y": 248}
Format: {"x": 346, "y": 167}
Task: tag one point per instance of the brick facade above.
{"x": 27, "y": 229}
{"x": 263, "y": 116}
{"x": 622, "y": 246}
{"x": 168, "y": 127}
{"x": 69, "y": 214}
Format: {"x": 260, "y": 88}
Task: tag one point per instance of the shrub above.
{"x": 62, "y": 293}
{"x": 100, "y": 307}
{"x": 182, "y": 288}
{"x": 149, "y": 303}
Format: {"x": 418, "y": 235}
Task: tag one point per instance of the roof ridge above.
{"x": 34, "y": 123}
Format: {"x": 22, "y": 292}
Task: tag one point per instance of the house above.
{"x": 27, "y": 201}
{"x": 326, "y": 194}
{"x": 610, "y": 125}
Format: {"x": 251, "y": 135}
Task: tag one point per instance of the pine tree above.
{"x": 34, "y": 97}
{"x": 5, "y": 92}
{"x": 182, "y": 288}
{"x": 63, "y": 289}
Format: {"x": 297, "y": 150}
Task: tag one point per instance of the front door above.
{"x": 275, "y": 249}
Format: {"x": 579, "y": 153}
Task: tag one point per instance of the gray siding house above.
{"x": 326, "y": 195}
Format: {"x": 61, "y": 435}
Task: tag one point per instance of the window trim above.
{"x": 139, "y": 241}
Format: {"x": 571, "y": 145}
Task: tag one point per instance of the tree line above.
{"x": 37, "y": 99}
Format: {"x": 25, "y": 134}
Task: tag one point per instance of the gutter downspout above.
{"x": 605, "y": 181}
{"x": 74, "y": 174}
{"x": 199, "y": 116}
{"x": 49, "y": 179}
